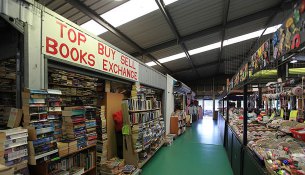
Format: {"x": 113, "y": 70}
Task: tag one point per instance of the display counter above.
{"x": 221, "y": 123}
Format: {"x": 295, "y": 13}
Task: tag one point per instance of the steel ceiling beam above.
{"x": 211, "y": 64}
{"x": 174, "y": 29}
{"x": 96, "y": 17}
{"x": 223, "y": 33}
{"x": 211, "y": 30}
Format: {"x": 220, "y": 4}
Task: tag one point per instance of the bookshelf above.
{"x": 83, "y": 159}
{"x": 178, "y": 123}
{"x": 77, "y": 89}
{"x": 7, "y": 89}
{"x": 112, "y": 103}
{"x": 143, "y": 118}
{"x": 39, "y": 117}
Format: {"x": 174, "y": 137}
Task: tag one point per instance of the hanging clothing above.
{"x": 200, "y": 112}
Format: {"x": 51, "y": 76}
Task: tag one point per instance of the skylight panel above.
{"x": 218, "y": 44}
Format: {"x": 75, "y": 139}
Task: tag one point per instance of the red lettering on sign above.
{"x": 81, "y": 38}
{"x": 51, "y": 45}
{"x": 91, "y": 61}
{"x": 104, "y": 65}
{"x": 74, "y": 54}
{"x": 82, "y": 57}
{"x": 107, "y": 51}
{"x": 63, "y": 45}
{"x": 72, "y": 35}
{"x": 62, "y": 26}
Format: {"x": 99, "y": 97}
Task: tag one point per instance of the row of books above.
{"x": 14, "y": 149}
{"x": 140, "y": 104}
{"x": 7, "y": 87}
{"x": 71, "y": 79}
{"x": 42, "y": 118}
{"x": 82, "y": 161}
{"x": 143, "y": 117}
{"x": 102, "y": 139}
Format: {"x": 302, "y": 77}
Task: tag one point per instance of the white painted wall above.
{"x": 169, "y": 98}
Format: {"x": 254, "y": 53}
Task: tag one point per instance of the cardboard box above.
{"x": 15, "y": 118}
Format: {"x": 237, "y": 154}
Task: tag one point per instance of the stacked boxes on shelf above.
{"x": 14, "y": 150}
{"x": 42, "y": 143}
{"x": 102, "y": 139}
{"x": 74, "y": 126}
{"x": 91, "y": 125}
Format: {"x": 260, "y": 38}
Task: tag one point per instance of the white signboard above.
{"x": 62, "y": 41}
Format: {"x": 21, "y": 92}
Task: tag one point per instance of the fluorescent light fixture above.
{"x": 205, "y": 48}
{"x": 171, "y": 58}
{"x": 218, "y": 44}
{"x": 293, "y": 61}
{"x": 94, "y": 27}
{"x": 125, "y": 13}
{"x": 151, "y": 63}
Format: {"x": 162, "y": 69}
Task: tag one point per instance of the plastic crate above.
{"x": 297, "y": 135}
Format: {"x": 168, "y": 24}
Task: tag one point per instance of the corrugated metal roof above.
{"x": 203, "y": 41}
{"x": 114, "y": 40}
{"x": 246, "y": 28}
{"x": 240, "y": 8}
{"x": 149, "y": 30}
{"x": 205, "y": 57}
{"x": 194, "y": 15}
{"x": 167, "y": 52}
{"x": 101, "y": 7}
{"x": 178, "y": 64}
{"x": 186, "y": 76}
{"x": 208, "y": 71}
{"x": 66, "y": 10}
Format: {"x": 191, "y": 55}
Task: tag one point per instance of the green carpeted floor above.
{"x": 197, "y": 152}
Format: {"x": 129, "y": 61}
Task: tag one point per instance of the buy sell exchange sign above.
{"x": 62, "y": 41}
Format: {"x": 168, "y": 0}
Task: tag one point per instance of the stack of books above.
{"x": 42, "y": 143}
{"x": 76, "y": 163}
{"x": 8, "y": 82}
{"x": 74, "y": 125}
{"x": 131, "y": 170}
{"x": 14, "y": 150}
{"x": 102, "y": 138}
{"x": 77, "y": 89}
{"x": 113, "y": 166}
{"x": 91, "y": 125}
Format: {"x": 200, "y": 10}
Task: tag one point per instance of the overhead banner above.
{"x": 66, "y": 42}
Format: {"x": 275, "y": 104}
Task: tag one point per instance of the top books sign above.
{"x": 62, "y": 41}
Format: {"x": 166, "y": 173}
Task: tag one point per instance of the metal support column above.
{"x": 245, "y": 115}
{"x": 260, "y": 96}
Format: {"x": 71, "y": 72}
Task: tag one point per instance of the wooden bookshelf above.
{"x": 64, "y": 85}
{"x": 141, "y": 164}
{"x": 79, "y": 150}
{"x": 150, "y": 147}
{"x": 42, "y": 168}
{"x": 147, "y": 110}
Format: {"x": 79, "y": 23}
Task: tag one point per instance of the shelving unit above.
{"x": 146, "y": 130}
{"x": 42, "y": 144}
{"x": 77, "y": 89}
{"x": 178, "y": 124}
{"x": 81, "y": 158}
{"x": 7, "y": 88}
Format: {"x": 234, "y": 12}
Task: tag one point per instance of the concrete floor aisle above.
{"x": 197, "y": 152}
